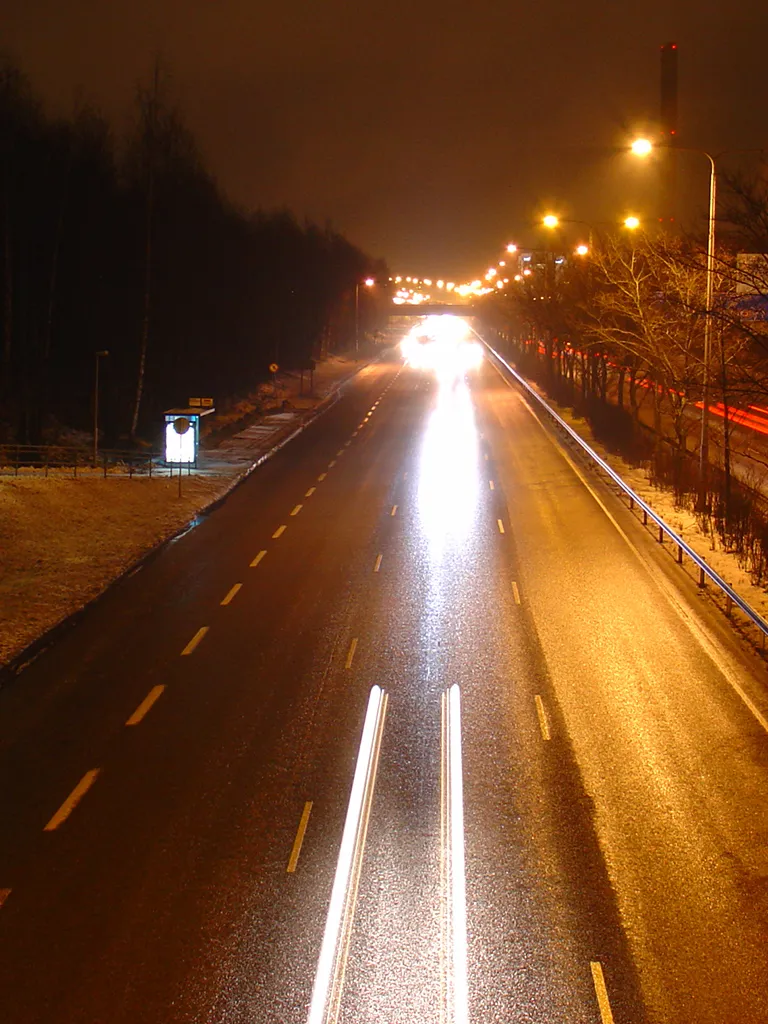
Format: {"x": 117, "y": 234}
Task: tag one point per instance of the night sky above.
{"x": 429, "y": 133}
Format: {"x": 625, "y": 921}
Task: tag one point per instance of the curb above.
{"x": 13, "y": 668}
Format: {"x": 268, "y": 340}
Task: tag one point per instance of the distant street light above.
{"x": 369, "y": 283}
{"x": 511, "y": 247}
{"x": 642, "y": 147}
{"x": 98, "y": 356}
{"x": 551, "y": 221}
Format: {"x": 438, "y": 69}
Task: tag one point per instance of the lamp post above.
{"x": 369, "y": 283}
{"x": 643, "y": 147}
{"x": 98, "y": 356}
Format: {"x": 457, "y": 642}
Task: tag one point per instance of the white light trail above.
{"x": 329, "y": 977}
{"x": 453, "y": 862}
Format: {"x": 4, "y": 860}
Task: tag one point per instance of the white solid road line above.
{"x": 310, "y": 492}
{"x": 515, "y": 592}
{"x": 257, "y": 559}
{"x": 452, "y": 862}
{"x": 145, "y": 705}
{"x": 231, "y": 594}
{"x": 293, "y": 860}
{"x": 606, "y": 1014}
{"x": 542, "y": 716}
{"x": 711, "y": 646}
{"x": 501, "y": 526}
{"x": 72, "y": 800}
{"x": 394, "y": 510}
{"x": 278, "y": 532}
{"x": 195, "y": 640}
{"x": 351, "y": 653}
{"x": 296, "y": 509}
{"x": 4, "y": 894}
{"x": 377, "y": 563}
{"x": 329, "y": 978}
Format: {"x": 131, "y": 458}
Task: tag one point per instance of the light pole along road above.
{"x": 419, "y": 725}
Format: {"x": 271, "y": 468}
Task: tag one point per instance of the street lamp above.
{"x": 642, "y": 147}
{"x": 369, "y": 283}
{"x": 98, "y": 356}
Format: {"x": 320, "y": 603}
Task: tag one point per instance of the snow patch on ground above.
{"x": 683, "y": 522}
{"x": 63, "y": 540}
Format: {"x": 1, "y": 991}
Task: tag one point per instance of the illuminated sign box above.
{"x": 182, "y": 433}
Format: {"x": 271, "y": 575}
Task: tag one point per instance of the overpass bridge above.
{"x": 435, "y": 309}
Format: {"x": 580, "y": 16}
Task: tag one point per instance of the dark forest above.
{"x": 128, "y": 245}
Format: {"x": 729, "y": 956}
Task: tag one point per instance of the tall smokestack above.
{"x": 668, "y": 128}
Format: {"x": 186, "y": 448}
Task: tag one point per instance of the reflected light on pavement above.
{"x": 448, "y": 486}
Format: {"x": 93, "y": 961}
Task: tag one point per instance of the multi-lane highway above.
{"x": 419, "y": 726}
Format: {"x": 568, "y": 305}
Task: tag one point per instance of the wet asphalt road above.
{"x": 614, "y": 780}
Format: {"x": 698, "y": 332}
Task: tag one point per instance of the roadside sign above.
{"x": 201, "y": 403}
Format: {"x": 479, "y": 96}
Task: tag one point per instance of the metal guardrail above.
{"x": 57, "y": 457}
{"x": 705, "y": 571}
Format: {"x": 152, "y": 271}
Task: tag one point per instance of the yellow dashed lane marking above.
{"x": 72, "y": 800}
{"x": 299, "y": 840}
{"x": 351, "y": 653}
{"x": 145, "y": 705}
{"x": 195, "y": 640}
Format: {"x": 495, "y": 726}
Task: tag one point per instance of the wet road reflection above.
{"x": 449, "y": 481}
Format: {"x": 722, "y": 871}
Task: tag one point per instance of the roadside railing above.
{"x": 42, "y": 458}
{"x": 636, "y": 503}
